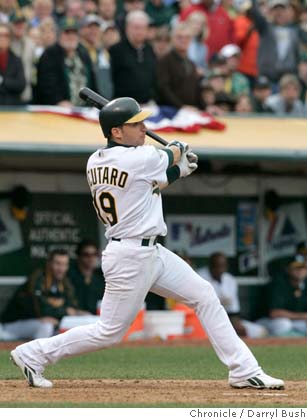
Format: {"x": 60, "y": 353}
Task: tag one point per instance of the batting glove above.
{"x": 184, "y": 147}
{"x": 186, "y": 167}
{"x": 192, "y": 157}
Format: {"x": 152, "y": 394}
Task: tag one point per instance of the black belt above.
{"x": 145, "y": 242}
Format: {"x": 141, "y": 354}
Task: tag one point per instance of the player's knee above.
{"x": 205, "y": 296}
{"x": 110, "y": 335}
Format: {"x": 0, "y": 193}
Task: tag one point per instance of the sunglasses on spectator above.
{"x": 89, "y": 254}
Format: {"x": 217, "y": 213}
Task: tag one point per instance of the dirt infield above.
{"x": 154, "y": 392}
{"x": 193, "y": 393}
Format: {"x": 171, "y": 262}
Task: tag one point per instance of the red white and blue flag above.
{"x": 163, "y": 119}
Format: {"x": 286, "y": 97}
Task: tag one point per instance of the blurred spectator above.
{"x": 207, "y": 96}
{"x": 7, "y": 8}
{"x": 107, "y": 11}
{"x": 64, "y": 69}
{"x": 177, "y": 78}
{"x": 226, "y": 288}
{"x": 220, "y": 24}
{"x": 88, "y": 281}
{"x": 110, "y": 35}
{"x": 133, "y": 61}
{"x": 180, "y": 5}
{"x": 59, "y": 9}
{"x": 224, "y": 103}
{"x": 90, "y": 37}
{"x": 38, "y": 305}
{"x": 288, "y": 301}
{"x": 278, "y": 52}
{"x": 247, "y": 38}
{"x": 301, "y": 249}
{"x": 42, "y": 9}
{"x": 128, "y": 6}
{"x": 47, "y": 35}
{"x": 287, "y": 102}
{"x": 23, "y": 46}
{"x": 261, "y": 91}
{"x": 75, "y": 10}
{"x": 90, "y": 7}
{"x": 216, "y": 79}
{"x": 303, "y": 28}
{"x": 12, "y": 78}
{"x": 243, "y": 104}
{"x": 236, "y": 83}
{"x": 162, "y": 42}
{"x": 159, "y": 13}
{"x": 198, "y": 50}
{"x": 230, "y": 8}
{"x": 302, "y": 74}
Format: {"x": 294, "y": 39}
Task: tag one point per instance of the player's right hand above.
{"x": 184, "y": 147}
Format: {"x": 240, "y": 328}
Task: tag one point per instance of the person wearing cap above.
{"x": 288, "y": 301}
{"x": 90, "y": 40}
{"x": 24, "y": 48}
{"x": 64, "y": 68}
{"x": 278, "y": 52}
{"x": 12, "y": 78}
{"x": 110, "y": 35}
{"x": 261, "y": 91}
{"x": 133, "y": 62}
{"x": 236, "y": 83}
{"x": 90, "y": 35}
{"x": 287, "y": 101}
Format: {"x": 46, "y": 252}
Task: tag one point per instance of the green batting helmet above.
{"x": 120, "y": 111}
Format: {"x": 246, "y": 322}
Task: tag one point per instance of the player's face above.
{"x": 133, "y": 134}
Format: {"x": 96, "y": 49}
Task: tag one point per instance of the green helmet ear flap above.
{"x": 120, "y": 111}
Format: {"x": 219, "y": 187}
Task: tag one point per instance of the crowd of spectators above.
{"x": 217, "y": 56}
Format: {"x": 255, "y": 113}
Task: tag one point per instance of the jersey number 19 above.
{"x": 105, "y": 207}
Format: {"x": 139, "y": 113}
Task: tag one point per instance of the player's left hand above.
{"x": 186, "y": 167}
{"x": 192, "y": 157}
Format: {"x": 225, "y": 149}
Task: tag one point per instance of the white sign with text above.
{"x": 201, "y": 235}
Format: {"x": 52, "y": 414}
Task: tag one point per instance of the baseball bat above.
{"x": 98, "y": 101}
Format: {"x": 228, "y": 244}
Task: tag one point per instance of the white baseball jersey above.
{"x": 124, "y": 183}
{"x": 226, "y": 290}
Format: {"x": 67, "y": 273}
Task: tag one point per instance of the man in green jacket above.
{"x": 39, "y": 304}
{"x": 87, "y": 280}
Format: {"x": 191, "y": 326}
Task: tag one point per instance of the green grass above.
{"x": 165, "y": 363}
{"x": 287, "y": 362}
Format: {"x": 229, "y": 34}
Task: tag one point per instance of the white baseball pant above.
{"x": 131, "y": 270}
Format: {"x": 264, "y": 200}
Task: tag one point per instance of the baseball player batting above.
{"x": 126, "y": 179}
